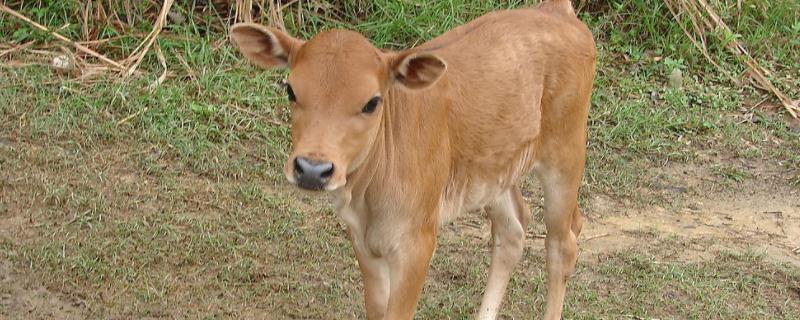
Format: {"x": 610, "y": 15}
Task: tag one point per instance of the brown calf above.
{"x": 408, "y": 140}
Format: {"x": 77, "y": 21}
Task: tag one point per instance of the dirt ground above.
{"x": 761, "y": 216}
{"x": 708, "y": 215}
{"x": 23, "y": 298}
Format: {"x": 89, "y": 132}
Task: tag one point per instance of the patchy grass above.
{"x": 620, "y": 285}
{"x": 731, "y": 173}
{"x": 170, "y": 202}
{"x": 731, "y": 286}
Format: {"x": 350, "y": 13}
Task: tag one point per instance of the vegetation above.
{"x": 144, "y": 196}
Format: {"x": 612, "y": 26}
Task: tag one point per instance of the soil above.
{"x": 22, "y": 298}
{"x": 708, "y": 216}
{"x": 712, "y": 217}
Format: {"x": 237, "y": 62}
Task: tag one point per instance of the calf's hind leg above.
{"x": 561, "y": 178}
{"x": 509, "y": 215}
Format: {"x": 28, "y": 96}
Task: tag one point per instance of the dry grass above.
{"x": 126, "y": 67}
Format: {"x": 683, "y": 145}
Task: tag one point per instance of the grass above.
{"x": 731, "y": 173}
{"x": 687, "y": 291}
{"x": 181, "y": 211}
{"x": 621, "y": 285}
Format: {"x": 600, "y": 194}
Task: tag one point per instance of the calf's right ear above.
{"x": 266, "y": 47}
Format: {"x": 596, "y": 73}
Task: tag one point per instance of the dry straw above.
{"x": 126, "y": 66}
{"x": 58, "y": 36}
{"x": 138, "y": 54}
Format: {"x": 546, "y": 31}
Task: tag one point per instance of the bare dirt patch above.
{"x": 21, "y": 297}
{"x": 755, "y": 221}
{"x": 707, "y": 216}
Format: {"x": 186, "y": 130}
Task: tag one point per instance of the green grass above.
{"x": 181, "y": 209}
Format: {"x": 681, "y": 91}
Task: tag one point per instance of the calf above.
{"x": 407, "y": 140}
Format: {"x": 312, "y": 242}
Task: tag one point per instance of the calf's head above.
{"x": 337, "y": 84}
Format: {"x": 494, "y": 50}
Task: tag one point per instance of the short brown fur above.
{"x": 463, "y": 118}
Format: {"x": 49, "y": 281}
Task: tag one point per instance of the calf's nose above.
{"x": 312, "y": 174}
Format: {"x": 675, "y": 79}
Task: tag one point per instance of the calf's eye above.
{"x": 371, "y": 105}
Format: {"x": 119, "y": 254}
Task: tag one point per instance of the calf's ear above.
{"x": 417, "y": 70}
{"x": 263, "y": 46}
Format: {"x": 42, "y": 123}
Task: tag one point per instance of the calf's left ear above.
{"x": 417, "y": 70}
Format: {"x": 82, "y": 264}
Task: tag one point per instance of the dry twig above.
{"x": 602, "y": 235}
{"x": 16, "y": 48}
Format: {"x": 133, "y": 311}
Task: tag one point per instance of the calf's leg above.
{"x": 375, "y": 272}
{"x": 509, "y": 216}
{"x": 408, "y": 267}
{"x": 561, "y": 178}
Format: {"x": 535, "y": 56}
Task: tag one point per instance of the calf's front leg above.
{"x": 408, "y": 266}
{"x": 375, "y": 272}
